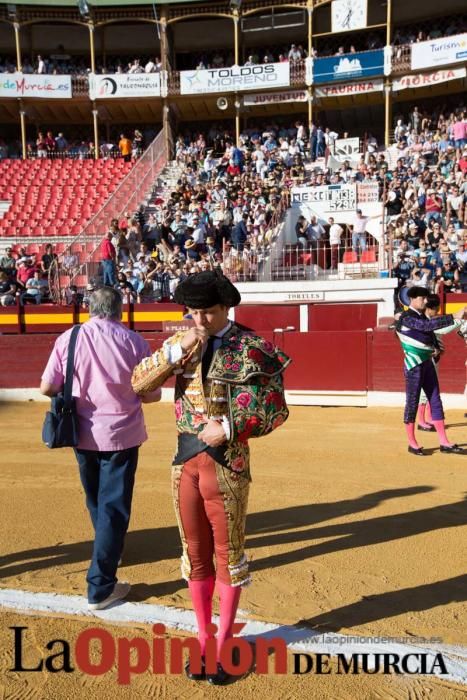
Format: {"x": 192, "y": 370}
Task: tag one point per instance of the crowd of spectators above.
{"x": 128, "y": 144}
{"x": 426, "y": 200}
{"x": 225, "y": 204}
{"x": 221, "y": 207}
{"x": 24, "y": 277}
{"x": 63, "y": 63}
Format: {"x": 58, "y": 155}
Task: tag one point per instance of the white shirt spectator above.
{"x": 294, "y": 54}
{"x": 359, "y": 224}
{"x": 335, "y": 233}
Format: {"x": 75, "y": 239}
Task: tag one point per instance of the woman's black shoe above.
{"x": 195, "y": 676}
{"x": 219, "y": 678}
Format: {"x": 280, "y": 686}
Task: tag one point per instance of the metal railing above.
{"x": 255, "y": 263}
{"x": 133, "y": 189}
{"x": 318, "y": 261}
{"x": 401, "y": 58}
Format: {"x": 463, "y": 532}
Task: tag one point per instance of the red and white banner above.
{"x": 25, "y": 85}
{"x": 266, "y": 98}
{"x": 424, "y": 79}
{"x": 343, "y": 89}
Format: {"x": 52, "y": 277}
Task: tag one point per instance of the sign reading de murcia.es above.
{"x": 25, "y": 85}
{"x": 268, "y": 75}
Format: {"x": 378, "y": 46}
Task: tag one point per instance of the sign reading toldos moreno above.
{"x": 268, "y": 75}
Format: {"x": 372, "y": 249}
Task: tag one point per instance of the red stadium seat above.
{"x": 80, "y": 280}
{"x": 350, "y": 256}
{"x": 368, "y": 256}
{"x": 55, "y": 197}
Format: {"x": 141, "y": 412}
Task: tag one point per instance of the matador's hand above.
{"x": 213, "y": 434}
{"x": 194, "y": 335}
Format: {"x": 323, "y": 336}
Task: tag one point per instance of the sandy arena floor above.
{"x": 346, "y": 532}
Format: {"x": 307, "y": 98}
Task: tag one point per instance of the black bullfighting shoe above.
{"x": 416, "y": 451}
{"x": 452, "y": 449}
{"x": 221, "y": 677}
{"x": 195, "y": 676}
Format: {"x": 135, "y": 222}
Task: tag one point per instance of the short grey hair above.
{"x": 106, "y": 302}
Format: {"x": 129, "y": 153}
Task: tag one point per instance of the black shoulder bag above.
{"x": 60, "y": 427}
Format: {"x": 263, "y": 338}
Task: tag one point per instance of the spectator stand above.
{"x": 134, "y": 189}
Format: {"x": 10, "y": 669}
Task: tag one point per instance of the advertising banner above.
{"x": 423, "y": 79}
{"x": 235, "y": 78}
{"x": 438, "y": 52}
{"x": 345, "y": 148}
{"x": 24, "y": 85}
{"x": 367, "y": 192}
{"x": 121, "y": 85}
{"x": 266, "y": 98}
{"x": 348, "y": 67}
{"x": 339, "y": 201}
{"x": 343, "y": 89}
{"x": 326, "y": 198}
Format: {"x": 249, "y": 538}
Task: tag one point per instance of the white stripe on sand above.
{"x": 298, "y": 639}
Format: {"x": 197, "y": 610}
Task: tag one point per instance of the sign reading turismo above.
{"x": 124, "y": 85}
{"x": 46, "y": 86}
{"x": 438, "y": 52}
{"x": 349, "y": 66}
{"x": 268, "y": 75}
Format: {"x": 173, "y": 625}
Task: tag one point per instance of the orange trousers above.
{"x": 211, "y": 502}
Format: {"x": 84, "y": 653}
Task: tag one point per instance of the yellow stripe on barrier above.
{"x": 452, "y": 307}
{"x": 157, "y": 316}
{"x": 44, "y": 319}
{"x": 8, "y": 319}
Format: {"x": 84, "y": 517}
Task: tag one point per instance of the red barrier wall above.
{"x": 387, "y": 365}
{"x": 322, "y": 360}
{"x": 267, "y": 317}
{"x": 326, "y": 360}
{"x": 342, "y": 317}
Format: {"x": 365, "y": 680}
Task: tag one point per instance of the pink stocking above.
{"x": 429, "y": 419}
{"x": 410, "y": 428}
{"x": 441, "y": 430}
{"x": 421, "y": 415}
{"x": 201, "y": 596}
{"x": 229, "y": 597}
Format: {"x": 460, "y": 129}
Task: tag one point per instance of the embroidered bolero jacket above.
{"x": 244, "y": 384}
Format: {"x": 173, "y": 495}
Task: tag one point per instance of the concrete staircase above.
{"x": 164, "y": 185}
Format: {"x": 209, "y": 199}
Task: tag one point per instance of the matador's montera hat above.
{"x": 417, "y": 291}
{"x": 205, "y": 289}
